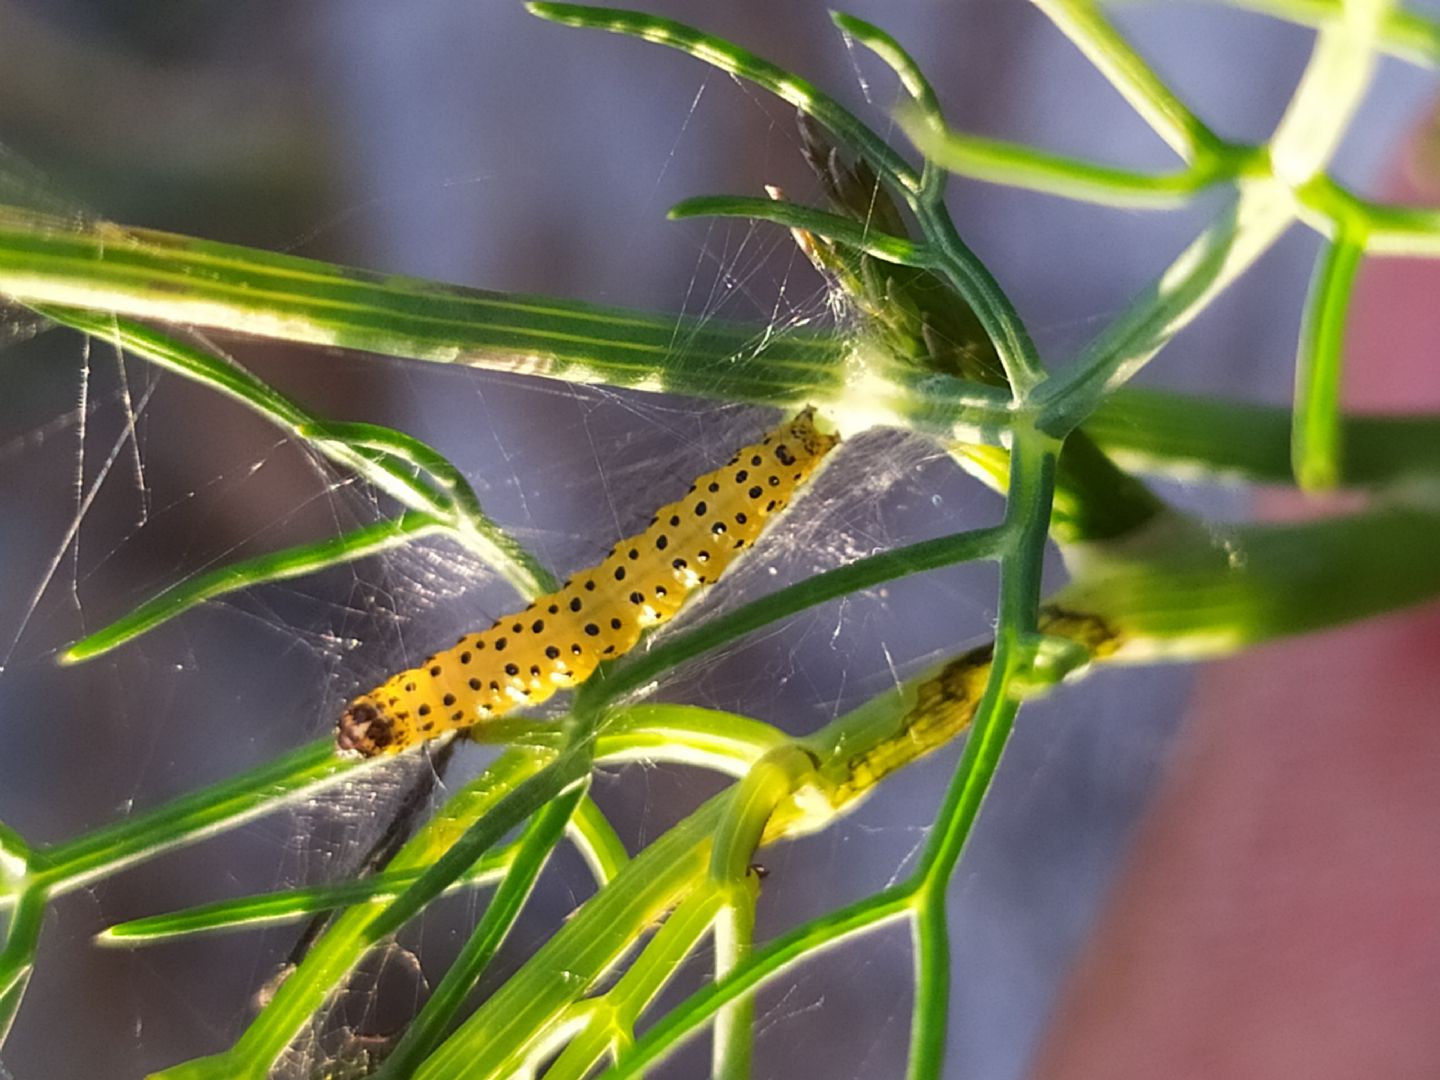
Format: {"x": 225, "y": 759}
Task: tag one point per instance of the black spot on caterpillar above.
{"x": 599, "y": 613}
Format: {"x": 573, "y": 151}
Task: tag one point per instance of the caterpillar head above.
{"x": 366, "y": 728}
{"x": 816, "y": 434}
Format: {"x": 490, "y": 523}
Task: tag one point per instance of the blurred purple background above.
{"x": 476, "y": 144}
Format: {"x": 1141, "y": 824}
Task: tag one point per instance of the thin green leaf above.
{"x": 731, "y": 58}
{"x": 1186, "y": 436}
{"x": 594, "y": 836}
{"x": 203, "y": 813}
{"x": 239, "y": 385}
{"x": 1083, "y": 22}
{"x": 156, "y": 275}
{"x": 998, "y": 161}
{"x": 1319, "y": 366}
{"x": 894, "y": 249}
{"x": 924, "y": 102}
{"x": 261, "y": 570}
{"x": 506, "y": 793}
{"x": 437, "y": 1014}
{"x": 248, "y": 912}
{"x": 346, "y": 444}
{"x": 766, "y": 963}
{"x": 470, "y": 524}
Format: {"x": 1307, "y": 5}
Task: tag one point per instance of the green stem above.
{"x": 1032, "y": 478}
{"x": 774, "y": 779}
{"x": 435, "y": 1017}
{"x": 17, "y": 959}
{"x": 610, "y": 1018}
{"x": 930, "y": 944}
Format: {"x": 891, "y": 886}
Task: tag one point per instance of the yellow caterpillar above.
{"x": 598, "y": 614}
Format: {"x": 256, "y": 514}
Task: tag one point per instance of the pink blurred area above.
{"x": 1280, "y": 913}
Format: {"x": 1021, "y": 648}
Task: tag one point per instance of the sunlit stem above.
{"x": 531, "y": 1015}
{"x": 1261, "y": 211}
{"x": 611, "y": 1017}
{"x": 14, "y": 855}
{"x": 596, "y": 840}
{"x": 733, "y": 1041}
{"x": 143, "y": 274}
{"x": 1330, "y": 90}
{"x": 773, "y": 779}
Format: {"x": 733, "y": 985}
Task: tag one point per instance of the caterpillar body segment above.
{"x": 600, "y": 613}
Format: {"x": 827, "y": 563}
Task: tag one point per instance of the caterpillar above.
{"x": 941, "y": 707}
{"x": 600, "y": 613}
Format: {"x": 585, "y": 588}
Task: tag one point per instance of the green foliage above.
{"x": 938, "y": 348}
